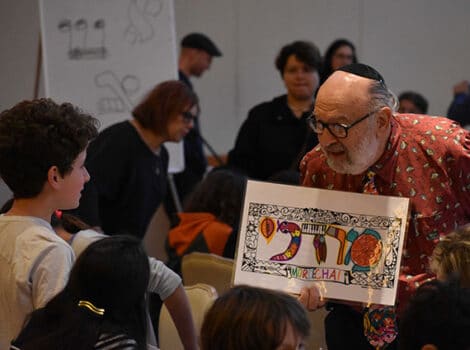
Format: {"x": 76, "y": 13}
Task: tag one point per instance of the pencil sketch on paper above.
{"x": 121, "y": 90}
{"x": 142, "y": 15}
{"x": 364, "y": 247}
{"x": 84, "y": 41}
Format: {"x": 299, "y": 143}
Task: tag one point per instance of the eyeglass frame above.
{"x": 312, "y": 121}
{"x": 188, "y": 117}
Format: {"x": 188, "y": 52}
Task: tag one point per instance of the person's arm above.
{"x": 167, "y": 284}
{"x": 178, "y": 307}
{"x": 243, "y": 155}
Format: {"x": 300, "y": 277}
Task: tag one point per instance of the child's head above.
{"x": 451, "y": 257}
{"x": 219, "y": 193}
{"x": 436, "y": 317}
{"x": 254, "y": 319}
{"x": 112, "y": 273}
{"x": 37, "y": 136}
{"x": 105, "y": 294}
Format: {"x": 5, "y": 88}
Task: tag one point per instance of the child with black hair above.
{"x": 101, "y": 307}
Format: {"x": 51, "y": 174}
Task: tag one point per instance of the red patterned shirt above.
{"x": 427, "y": 159}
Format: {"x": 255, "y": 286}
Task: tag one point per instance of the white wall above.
{"x": 415, "y": 44}
{"x": 419, "y": 44}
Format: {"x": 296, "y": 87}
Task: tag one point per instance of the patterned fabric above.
{"x": 426, "y": 159}
{"x": 380, "y": 324}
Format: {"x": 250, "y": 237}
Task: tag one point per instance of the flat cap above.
{"x": 201, "y": 42}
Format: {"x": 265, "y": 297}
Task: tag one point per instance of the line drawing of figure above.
{"x": 142, "y": 15}
{"x": 65, "y": 26}
{"x": 122, "y": 90}
{"x": 78, "y": 37}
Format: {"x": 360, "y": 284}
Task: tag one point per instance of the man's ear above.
{"x": 384, "y": 115}
{"x": 53, "y": 176}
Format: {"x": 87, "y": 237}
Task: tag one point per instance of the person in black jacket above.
{"x": 275, "y": 135}
{"x": 128, "y": 162}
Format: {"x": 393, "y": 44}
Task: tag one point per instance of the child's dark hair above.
{"x": 219, "y": 193}
{"x": 438, "y": 314}
{"x": 111, "y": 274}
{"x": 36, "y": 135}
{"x": 252, "y": 318}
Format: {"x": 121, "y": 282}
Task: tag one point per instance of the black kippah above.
{"x": 363, "y": 70}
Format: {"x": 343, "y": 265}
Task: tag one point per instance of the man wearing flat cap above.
{"x": 195, "y": 58}
{"x": 196, "y": 55}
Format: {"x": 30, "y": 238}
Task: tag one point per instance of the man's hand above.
{"x": 311, "y": 298}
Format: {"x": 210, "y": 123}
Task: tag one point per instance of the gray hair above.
{"x": 382, "y": 96}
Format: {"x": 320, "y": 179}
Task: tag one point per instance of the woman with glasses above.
{"x": 275, "y": 135}
{"x": 341, "y": 52}
{"x": 128, "y": 162}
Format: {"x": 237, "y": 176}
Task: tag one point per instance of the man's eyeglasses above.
{"x": 337, "y": 129}
{"x": 188, "y": 117}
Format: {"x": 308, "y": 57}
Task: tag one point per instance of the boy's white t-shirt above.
{"x": 34, "y": 266}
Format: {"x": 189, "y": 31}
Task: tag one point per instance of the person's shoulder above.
{"x": 83, "y": 239}
{"x": 437, "y": 136}
{"x": 118, "y": 138}
{"x": 426, "y": 123}
{"x": 436, "y": 128}
{"x": 266, "y": 108}
{"x": 33, "y": 234}
{"x": 30, "y": 225}
{"x": 115, "y": 133}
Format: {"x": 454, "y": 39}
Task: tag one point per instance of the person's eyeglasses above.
{"x": 337, "y": 129}
{"x": 188, "y": 117}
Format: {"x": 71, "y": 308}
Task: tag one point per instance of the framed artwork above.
{"x": 348, "y": 244}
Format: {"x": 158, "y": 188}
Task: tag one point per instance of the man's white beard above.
{"x": 358, "y": 159}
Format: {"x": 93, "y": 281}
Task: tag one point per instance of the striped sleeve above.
{"x": 115, "y": 342}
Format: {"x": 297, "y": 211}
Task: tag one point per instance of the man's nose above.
{"x": 326, "y": 138}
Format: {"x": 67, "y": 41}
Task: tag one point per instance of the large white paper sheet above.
{"x": 105, "y": 56}
{"x": 349, "y": 244}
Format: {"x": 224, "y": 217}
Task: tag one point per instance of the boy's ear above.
{"x": 53, "y": 176}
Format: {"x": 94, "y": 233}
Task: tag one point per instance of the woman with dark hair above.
{"x": 209, "y": 222}
{"x": 128, "y": 161}
{"x": 103, "y": 303}
{"x": 162, "y": 280}
{"x": 275, "y": 136}
{"x": 340, "y": 53}
{"x": 251, "y": 318}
